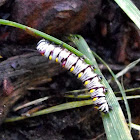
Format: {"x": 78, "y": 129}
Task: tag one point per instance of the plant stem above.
{"x": 44, "y": 35}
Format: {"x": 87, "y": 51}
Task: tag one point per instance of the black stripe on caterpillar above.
{"x": 77, "y": 66}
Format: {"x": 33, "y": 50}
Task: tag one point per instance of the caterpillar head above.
{"x": 41, "y": 46}
{"x": 106, "y": 108}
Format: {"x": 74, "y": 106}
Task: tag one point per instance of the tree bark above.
{"x": 19, "y": 73}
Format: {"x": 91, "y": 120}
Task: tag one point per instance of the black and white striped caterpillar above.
{"x": 77, "y": 66}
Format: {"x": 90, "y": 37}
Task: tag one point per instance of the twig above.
{"x": 116, "y": 67}
{"x": 31, "y": 103}
{"x": 99, "y": 136}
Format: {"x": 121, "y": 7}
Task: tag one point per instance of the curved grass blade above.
{"x": 119, "y": 86}
{"x": 127, "y": 68}
{"x": 32, "y": 31}
{"x": 114, "y": 122}
{"x": 80, "y": 42}
{"x": 131, "y": 10}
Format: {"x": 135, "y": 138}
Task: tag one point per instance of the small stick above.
{"x": 31, "y": 103}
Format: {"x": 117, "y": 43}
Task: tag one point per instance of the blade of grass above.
{"x": 60, "y": 107}
{"x": 131, "y": 10}
{"x": 129, "y": 90}
{"x": 87, "y": 96}
{"x": 78, "y": 96}
{"x": 129, "y": 97}
{"x": 127, "y": 68}
{"x": 32, "y": 31}
{"x": 81, "y": 42}
{"x": 56, "y": 108}
{"x": 135, "y": 126}
{"x": 114, "y": 122}
{"x": 85, "y": 90}
{"x": 75, "y": 91}
{"x": 119, "y": 86}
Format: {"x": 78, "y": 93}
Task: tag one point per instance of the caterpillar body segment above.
{"x": 77, "y": 66}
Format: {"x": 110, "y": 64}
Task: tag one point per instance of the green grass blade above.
{"x": 78, "y": 96}
{"x": 129, "y": 97}
{"x": 114, "y": 122}
{"x": 44, "y": 35}
{"x": 119, "y": 86}
{"x": 127, "y": 68}
{"x": 135, "y": 126}
{"x": 131, "y": 10}
{"x": 56, "y": 108}
{"x": 81, "y": 42}
{"x": 78, "y": 90}
{"x": 86, "y": 96}
{"x": 62, "y": 107}
{"x": 129, "y": 90}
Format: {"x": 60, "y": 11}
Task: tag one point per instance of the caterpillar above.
{"x": 77, "y": 66}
